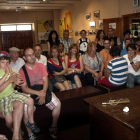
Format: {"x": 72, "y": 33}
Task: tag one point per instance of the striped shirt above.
{"x": 119, "y": 70}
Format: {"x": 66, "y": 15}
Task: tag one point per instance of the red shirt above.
{"x": 35, "y": 75}
{"x": 75, "y": 64}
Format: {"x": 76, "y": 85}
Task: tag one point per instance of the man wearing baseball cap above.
{"x": 16, "y": 62}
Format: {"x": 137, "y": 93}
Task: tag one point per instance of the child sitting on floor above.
{"x": 8, "y": 95}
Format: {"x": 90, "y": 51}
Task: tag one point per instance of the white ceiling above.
{"x": 34, "y": 5}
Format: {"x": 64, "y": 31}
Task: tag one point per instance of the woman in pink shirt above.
{"x": 74, "y": 63}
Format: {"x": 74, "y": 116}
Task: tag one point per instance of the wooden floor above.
{"x": 77, "y": 133}
{"x": 73, "y": 123}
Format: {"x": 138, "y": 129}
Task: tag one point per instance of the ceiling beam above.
{"x": 52, "y": 1}
{"x": 45, "y": 4}
{"x": 28, "y": 8}
{"x": 66, "y": 1}
{"x": 54, "y": 4}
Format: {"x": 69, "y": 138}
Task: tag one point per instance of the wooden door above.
{"x": 24, "y": 39}
{"x": 8, "y": 40}
{"x": 118, "y": 30}
{"x": 19, "y": 39}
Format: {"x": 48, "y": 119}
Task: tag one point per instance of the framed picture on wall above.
{"x": 61, "y": 26}
{"x": 96, "y": 14}
{"x": 100, "y": 23}
{"x": 79, "y": 33}
{"x": 44, "y": 28}
{"x": 90, "y": 32}
{"x": 76, "y": 33}
{"x": 136, "y": 2}
{"x": 68, "y": 22}
{"x": 88, "y": 16}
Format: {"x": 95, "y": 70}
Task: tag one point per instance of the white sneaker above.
{"x": 32, "y": 136}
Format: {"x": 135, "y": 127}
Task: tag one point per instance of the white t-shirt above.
{"x": 43, "y": 60}
{"x": 130, "y": 68}
{"x": 16, "y": 66}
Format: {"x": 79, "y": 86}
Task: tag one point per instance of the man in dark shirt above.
{"x": 111, "y": 35}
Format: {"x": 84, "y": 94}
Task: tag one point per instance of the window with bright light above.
{"x": 16, "y": 27}
{"x": 8, "y": 28}
{"x": 24, "y": 27}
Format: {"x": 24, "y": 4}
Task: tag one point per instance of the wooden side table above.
{"x": 110, "y": 122}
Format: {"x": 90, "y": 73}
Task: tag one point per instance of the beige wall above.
{"x": 126, "y": 7}
{"x": 56, "y": 19}
{"x": 27, "y": 17}
{"x": 108, "y": 9}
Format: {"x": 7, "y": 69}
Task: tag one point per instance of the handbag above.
{"x": 60, "y": 78}
{"x": 37, "y": 87}
{"x": 52, "y": 68}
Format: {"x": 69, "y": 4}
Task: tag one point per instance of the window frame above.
{"x": 16, "y": 27}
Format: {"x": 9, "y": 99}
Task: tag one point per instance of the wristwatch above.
{"x": 131, "y": 62}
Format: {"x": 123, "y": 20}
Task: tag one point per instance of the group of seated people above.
{"x": 25, "y": 80}
{"x": 100, "y": 61}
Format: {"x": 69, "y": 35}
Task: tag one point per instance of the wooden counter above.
{"x": 110, "y": 122}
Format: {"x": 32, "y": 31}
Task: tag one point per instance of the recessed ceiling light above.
{"x": 47, "y": 0}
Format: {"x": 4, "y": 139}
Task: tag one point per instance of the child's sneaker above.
{"x": 53, "y": 132}
{"x": 32, "y": 136}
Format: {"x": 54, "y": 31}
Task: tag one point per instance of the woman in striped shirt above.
{"x": 117, "y": 69}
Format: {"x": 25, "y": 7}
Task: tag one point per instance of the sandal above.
{"x": 53, "y": 132}
{"x": 33, "y": 127}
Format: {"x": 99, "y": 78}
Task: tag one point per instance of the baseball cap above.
{"x": 3, "y": 53}
{"x": 14, "y": 49}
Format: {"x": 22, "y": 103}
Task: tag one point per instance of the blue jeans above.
{"x": 131, "y": 79}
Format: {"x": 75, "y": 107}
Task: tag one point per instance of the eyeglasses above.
{"x": 106, "y": 43}
{"x": 30, "y": 55}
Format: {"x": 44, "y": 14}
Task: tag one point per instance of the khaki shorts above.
{"x": 6, "y": 104}
{"x": 26, "y": 106}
